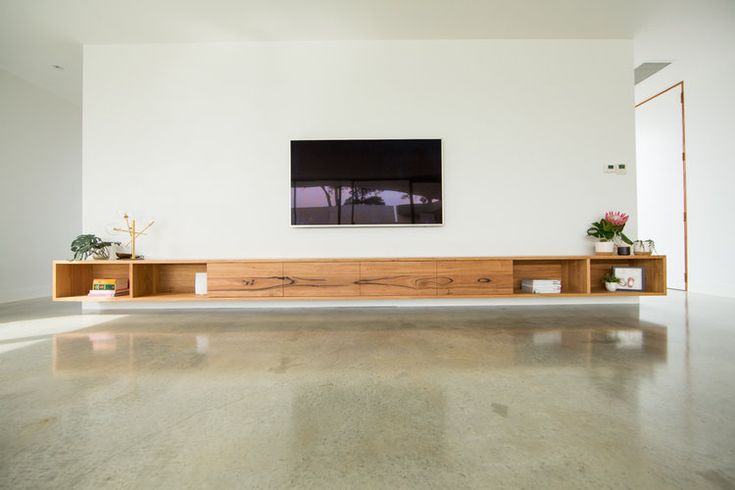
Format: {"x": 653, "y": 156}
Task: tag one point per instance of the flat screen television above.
{"x": 366, "y": 182}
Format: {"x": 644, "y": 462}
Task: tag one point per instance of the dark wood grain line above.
{"x": 420, "y": 283}
{"x": 251, "y": 282}
{"x": 308, "y": 282}
{"x": 447, "y": 281}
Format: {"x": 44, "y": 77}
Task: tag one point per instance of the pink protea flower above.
{"x": 616, "y": 218}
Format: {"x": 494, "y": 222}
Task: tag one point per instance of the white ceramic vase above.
{"x": 611, "y": 286}
{"x": 604, "y": 248}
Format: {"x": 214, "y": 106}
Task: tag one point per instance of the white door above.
{"x": 660, "y": 173}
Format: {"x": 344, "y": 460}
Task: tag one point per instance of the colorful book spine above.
{"x": 109, "y": 287}
{"x": 104, "y": 284}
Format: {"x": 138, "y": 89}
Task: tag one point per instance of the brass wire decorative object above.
{"x": 131, "y": 231}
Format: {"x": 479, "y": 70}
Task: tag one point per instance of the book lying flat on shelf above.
{"x": 108, "y": 294}
{"x": 541, "y": 291}
{"x": 109, "y": 284}
{"x": 109, "y": 288}
{"x": 541, "y": 286}
{"x": 541, "y": 282}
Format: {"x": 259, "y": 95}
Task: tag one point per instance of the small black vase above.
{"x": 624, "y": 250}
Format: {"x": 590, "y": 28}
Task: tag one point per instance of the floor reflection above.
{"x": 114, "y": 350}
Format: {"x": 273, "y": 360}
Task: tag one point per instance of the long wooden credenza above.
{"x": 374, "y": 278}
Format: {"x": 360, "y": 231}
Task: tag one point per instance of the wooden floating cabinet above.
{"x": 306, "y": 279}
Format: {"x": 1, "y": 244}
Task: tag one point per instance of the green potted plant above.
{"x": 607, "y": 231}
{"x": 611, "y": 281}
{"x": 85, "y": 246}
{"x": 644, "y": 247}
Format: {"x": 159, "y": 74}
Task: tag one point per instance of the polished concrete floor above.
{"x": 621, "y": 396}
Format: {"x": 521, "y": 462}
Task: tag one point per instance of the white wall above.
{"x": 197, "y": 137}
{"x": 40, "y": 187}
{"x": 700, "y": 50}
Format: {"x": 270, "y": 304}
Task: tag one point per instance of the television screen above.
{"x": 366, "y": 182}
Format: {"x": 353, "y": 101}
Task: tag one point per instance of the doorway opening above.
{"x": 661, "y": 179}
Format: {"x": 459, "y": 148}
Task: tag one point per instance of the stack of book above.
{"x": 109, "y": 288}
{"x": 541, "y": 286}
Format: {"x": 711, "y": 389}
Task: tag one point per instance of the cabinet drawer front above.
{"x": 411, "y": 278}
{"x": 245, "y": 279}
{"x": 314, "y": 279}
{"x": 474, "y": 277}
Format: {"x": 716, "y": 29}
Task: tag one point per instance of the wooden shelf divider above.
{"x": 371, "y": 278}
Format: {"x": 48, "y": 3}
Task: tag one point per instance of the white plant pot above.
{"x": 604, "y": 248}
{"x": 611, "y": 286}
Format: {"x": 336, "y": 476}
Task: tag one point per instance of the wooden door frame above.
{"x": 684, "y": 171}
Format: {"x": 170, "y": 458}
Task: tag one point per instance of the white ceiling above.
{"x": 37, "y": 34}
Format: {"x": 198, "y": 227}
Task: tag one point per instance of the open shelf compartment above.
{"x": 571, "y": 272}
{"x": 164, "y": 279}
{"x": 654, "y": 273}
{"x": 73, "y": 280}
